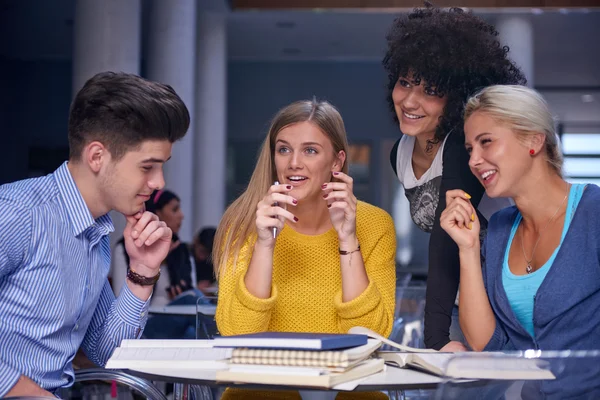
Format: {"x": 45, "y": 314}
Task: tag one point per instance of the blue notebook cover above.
{"x": 292, "y": 340}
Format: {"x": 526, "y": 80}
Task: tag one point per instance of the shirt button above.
{"x": 142, "y": 314}
{"x": 76, "y": 326}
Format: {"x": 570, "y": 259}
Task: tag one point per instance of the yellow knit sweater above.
{"x": 306, "y": 294}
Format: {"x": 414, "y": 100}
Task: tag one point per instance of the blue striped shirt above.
{"x": 54, "y": 292}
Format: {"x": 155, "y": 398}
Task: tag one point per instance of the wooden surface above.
{"x": 308, "y": 4}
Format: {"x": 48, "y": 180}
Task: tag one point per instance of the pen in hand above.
{"x": 275, "y": 204}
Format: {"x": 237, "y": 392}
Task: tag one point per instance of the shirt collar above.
{"x": 78, "y": 212}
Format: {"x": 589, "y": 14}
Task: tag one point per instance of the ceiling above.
{"x": 43, "y": 29}
{"x": 566, "y": 51}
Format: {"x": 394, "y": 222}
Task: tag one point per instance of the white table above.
{"x": 213, "y": 290}
{"x": 188, "y": 310}
{"x": 392, "y": 379}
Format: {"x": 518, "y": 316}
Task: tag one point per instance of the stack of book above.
{"x": 316, "y": 360}
{"x": 299, "y": 359}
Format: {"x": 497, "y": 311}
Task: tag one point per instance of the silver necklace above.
{"x": 529, "y": 268}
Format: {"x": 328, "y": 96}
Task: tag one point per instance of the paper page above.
{"x": 351, "y": 385}
{"x": 131, "y": 357}
{"x": 167, "y": 343}
{"x": 500, "y": 368}
{"x": 277, "y": 370}
{"x": 365, "y": 331}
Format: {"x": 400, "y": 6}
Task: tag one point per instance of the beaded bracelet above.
{"x": 142, "y": 280}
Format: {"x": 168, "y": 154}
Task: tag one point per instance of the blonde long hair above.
{"x": 237, "y": 224}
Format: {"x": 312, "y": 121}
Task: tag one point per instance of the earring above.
{"x": 532, "y": 152}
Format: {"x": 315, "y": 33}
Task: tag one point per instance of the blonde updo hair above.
{"x": 524, "y": 111}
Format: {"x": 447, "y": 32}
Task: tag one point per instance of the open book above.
{"x": 359, "y": 330}
{"x": 299, "y": 376}
{"x": 476, "y": 366}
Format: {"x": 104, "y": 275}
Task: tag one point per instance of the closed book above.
{"x": 292, "y": 340}
{"x": 305, "y": 358}
{"x": 296, "y": 376}
{"x": 162, "y": 354}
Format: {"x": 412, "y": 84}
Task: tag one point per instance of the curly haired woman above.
{"x": 435, "y": 60}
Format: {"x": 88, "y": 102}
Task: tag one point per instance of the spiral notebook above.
{"x": 340, "y": 359}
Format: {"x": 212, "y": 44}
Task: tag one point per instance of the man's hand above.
{"x": 27, "y": 387}
{"x": 147, "y": 242}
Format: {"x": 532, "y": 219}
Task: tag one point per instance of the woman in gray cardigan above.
{"x": 536, "y": 282}
{"x": 541, "y": 273}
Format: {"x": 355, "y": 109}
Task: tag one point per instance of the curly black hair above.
{"x": 451, "y": 50}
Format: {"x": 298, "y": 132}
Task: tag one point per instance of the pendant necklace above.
{"x": 529, "y": 268}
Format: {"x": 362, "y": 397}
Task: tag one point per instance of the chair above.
{"x": 576, "y": 375}
{"x": 408, "y": 316}
{"x": 140, "y": 385}
{"x": 29, "y": 398}
{"x": 206, "y": 326}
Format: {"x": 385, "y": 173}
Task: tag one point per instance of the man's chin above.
{"x": 131, "y": 211}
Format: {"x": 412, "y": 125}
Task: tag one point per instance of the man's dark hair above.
{"x": 122, "y": 111}
{"x": 454, "y": 52}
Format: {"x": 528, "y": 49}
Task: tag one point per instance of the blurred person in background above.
{"x": 203, "y": 248}
{"x": 176, "y": 285}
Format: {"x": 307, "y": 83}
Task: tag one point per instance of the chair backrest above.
{"x": 206, "y": 326}
{"x": 29, "y": 398}
{"x": 531, "y": 374}
{"x": 408, "y": 316}
{"x": 142, "y": 386}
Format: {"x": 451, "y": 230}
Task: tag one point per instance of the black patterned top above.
{"x": 427, "y": 197}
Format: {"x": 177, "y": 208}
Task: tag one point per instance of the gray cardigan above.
{"x": 566, "y": 311}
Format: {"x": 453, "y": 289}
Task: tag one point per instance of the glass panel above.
{"x": 359, "y": 161}
{"x": 581, "y": 143}
{"x": 241, "y": 159}
{"x": 594, "y": 181}
{"x": 582, "y": 167}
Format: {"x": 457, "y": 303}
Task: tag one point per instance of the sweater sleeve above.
{"x": 444, "y": 264}
{"x": 238, "y": 311}
{"x": 374, "y": 308}
{"x": 499, "y": 338}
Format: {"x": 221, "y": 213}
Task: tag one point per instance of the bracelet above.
{"x": 142, "y": 280}
{"x": 344, "y": 252}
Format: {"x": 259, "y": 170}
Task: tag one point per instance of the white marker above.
{"x": 275, "y": 204}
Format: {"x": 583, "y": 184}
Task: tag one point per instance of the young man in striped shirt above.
{"x": 54, "y": 244}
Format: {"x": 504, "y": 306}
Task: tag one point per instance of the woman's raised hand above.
{"x": 342, "y": 206}
{"x": 271, "y": 213}
{"x": 459, "y": 219}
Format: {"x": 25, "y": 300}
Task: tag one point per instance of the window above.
{"x": 581, "y": 149}
{"x": 359, "y": 167}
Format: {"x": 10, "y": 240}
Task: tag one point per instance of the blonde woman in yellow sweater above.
{"x": 330, "y": 264}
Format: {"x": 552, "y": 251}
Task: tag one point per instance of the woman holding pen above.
{"x": 304, "y": 255}
{"x": 535, "y": 284}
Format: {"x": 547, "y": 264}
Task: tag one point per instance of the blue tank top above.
{"x": 521, "y": 289}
